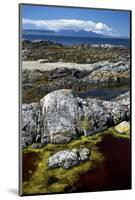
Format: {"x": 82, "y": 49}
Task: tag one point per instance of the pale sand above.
{"x": 33, "y": 65}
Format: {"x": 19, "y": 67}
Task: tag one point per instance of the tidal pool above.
{"x": 111, "y": 173}
{"x": 114, "y": 173}
{"x": 104, "y": 93}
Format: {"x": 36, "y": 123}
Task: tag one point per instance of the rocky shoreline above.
{"x": 57, "y": 123}
{"x": 36, "y": 83}
{"x": 81, "y": 53}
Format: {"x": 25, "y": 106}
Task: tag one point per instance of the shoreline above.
{"x": 108, "y": 43}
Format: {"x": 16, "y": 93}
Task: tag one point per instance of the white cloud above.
{"x": 74, "y": 24}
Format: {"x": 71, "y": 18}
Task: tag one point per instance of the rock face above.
{"x": 123, "y": 127}
{"x": 62, "y": 116}
{"x": 31, "y": 123}
{"x": 67, "y": 116}
{"x": 110, "y": 73}
{"x": 68, "y": 158}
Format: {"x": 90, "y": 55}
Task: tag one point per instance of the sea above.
{"x": 69, "y": 40}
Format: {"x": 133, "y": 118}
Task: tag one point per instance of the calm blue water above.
{"x": 77, "y": 40}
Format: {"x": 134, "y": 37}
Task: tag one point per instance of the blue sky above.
{"x": 108, "y": 22}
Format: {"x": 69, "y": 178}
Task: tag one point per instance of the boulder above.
{"x": 123, "y": 127}
{"x": 68, "y": 158}
{"x": 66, "y": 116}
{"x": 62, "y": 116}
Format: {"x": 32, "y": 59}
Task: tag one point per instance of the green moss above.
{"x": 46, "y": 180}
{"x": 84, "y": 123}
{"x": 40, "y": 180}
{"x": 65, "y": 178}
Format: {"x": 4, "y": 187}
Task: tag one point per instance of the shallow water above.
{"x": 105, "y": 93}
{"x": 30, "y": 162}
{"x": 112, "y": 174}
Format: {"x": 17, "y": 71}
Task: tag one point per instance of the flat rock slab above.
{"x": 35, "y": 65}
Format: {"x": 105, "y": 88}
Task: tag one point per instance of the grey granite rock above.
{"x": 68, "y": 158}
{"x": 62, "y": 116}
{"x": 31, "y": 123}
{"x": 109, "y": 74}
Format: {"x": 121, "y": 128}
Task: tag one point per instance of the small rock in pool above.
{"x": 123, "y": 127}
{"x": 68, "y": 158}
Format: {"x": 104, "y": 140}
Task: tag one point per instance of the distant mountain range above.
{"x": 72, "y": 33}
{"x": 38, "y": 32}
{"x": 80, "y": 33}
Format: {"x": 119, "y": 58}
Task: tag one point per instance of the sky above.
{"x": 107, "y": 22}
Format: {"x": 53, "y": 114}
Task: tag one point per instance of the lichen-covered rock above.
{"x": 60, "y": 114}
{"x": 63, "y": 116}
{"x": 68, "y": 158}
{"x": 123, "y": 127}
{"x": 31, "y": 123}
{"x": 110, "y": 73}
{"x": 84, "y": 154}
{"x": 66, "y": 116}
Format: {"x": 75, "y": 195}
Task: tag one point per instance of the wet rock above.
{"x": 68, "y": 158}
{"x": 123, "y": 127}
